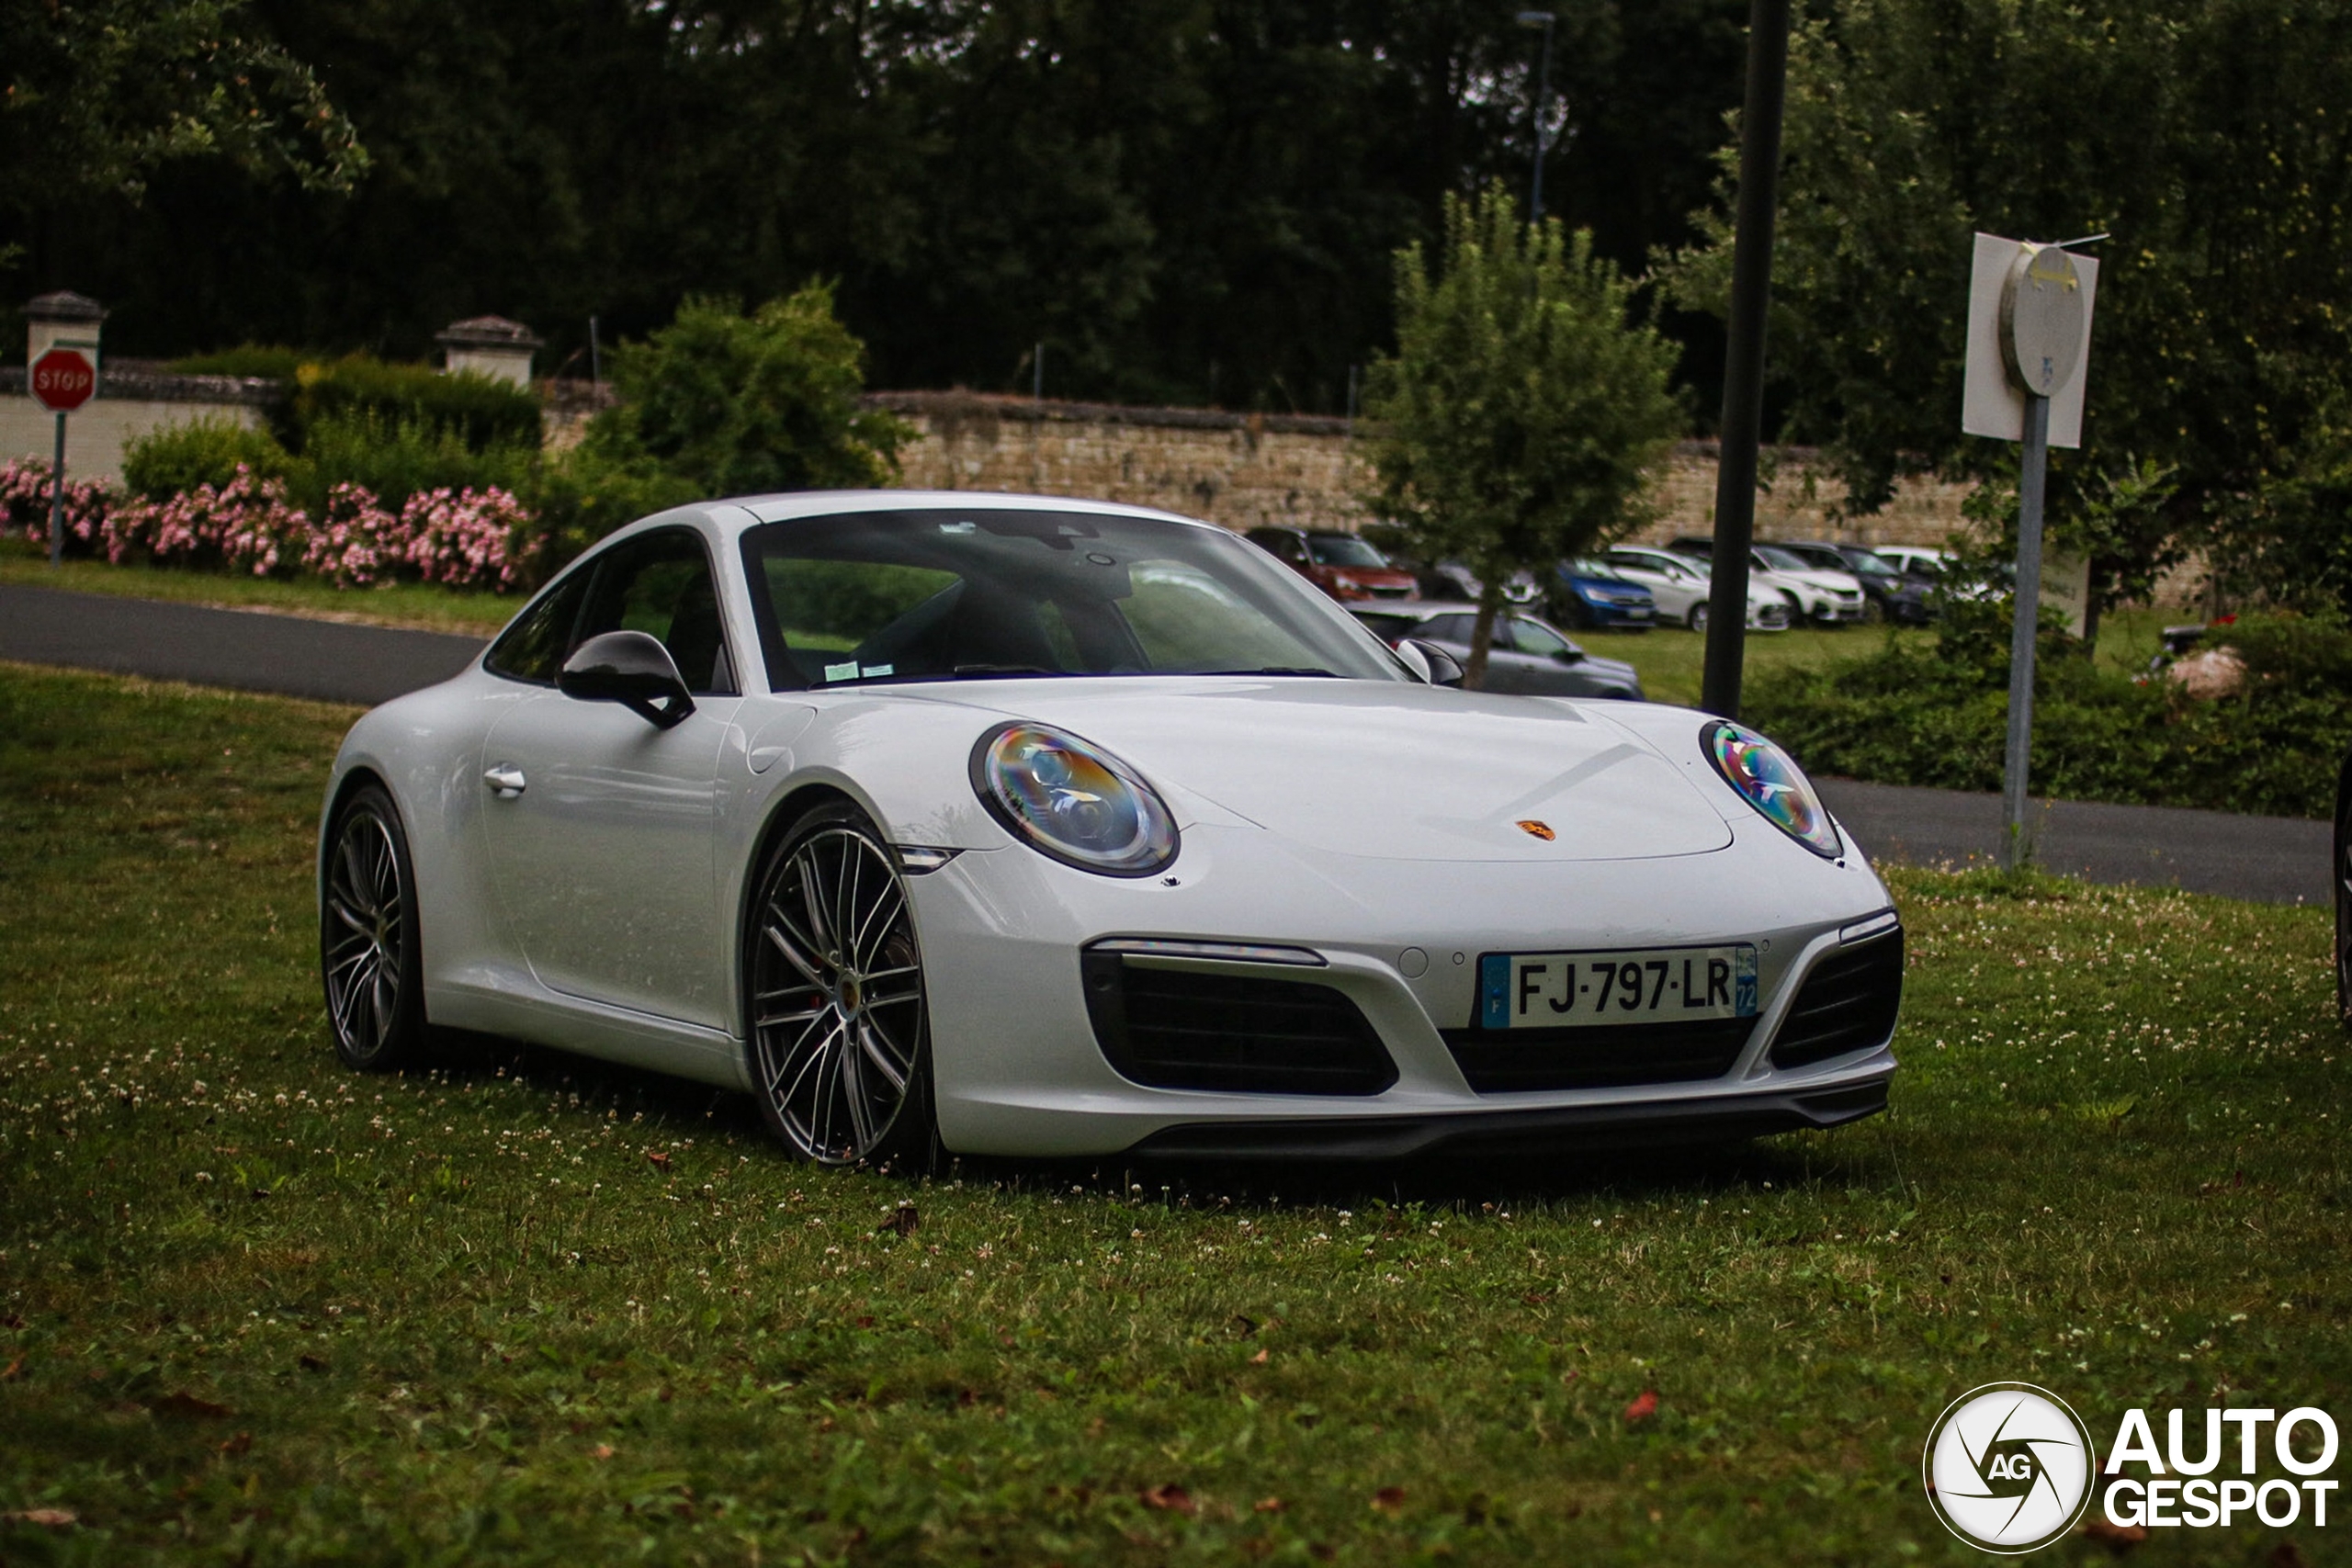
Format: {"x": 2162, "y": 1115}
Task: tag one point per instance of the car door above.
{"x": 601, "y": 826}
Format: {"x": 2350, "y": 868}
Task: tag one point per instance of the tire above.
{"x": 369, "y": 950}
{"x": 1697, "y": 619}
{"x": 1873, "y": 612}
{"x": 838, "y": 1030}
{"x": 2344, "y": 898}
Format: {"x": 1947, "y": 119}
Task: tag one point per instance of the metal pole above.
{"x": 1037, "y": 376}
{"x": 57, "y": 499}
{"x": 2024, "y": 623}
{"x": 1751, "y": 288}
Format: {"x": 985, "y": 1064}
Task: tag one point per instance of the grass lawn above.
{"x": 257, "y": 1309}
{"x": 415, "y": 604}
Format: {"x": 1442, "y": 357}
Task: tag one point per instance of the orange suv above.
{"x": 1341, "y": 564}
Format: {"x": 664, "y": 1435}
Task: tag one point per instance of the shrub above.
{"x": 1933, "y": 712}
{"x": 176, "y": 458}
{"x": 484, "y": 412}
{"x": 583, "y": 492}
{"x": 741, "y": 405}
{"x": 266, "y": 361}
{"x": 396, "y": 458}
{"x": 25, "y": 498}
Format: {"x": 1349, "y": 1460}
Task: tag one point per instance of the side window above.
{"x": 534, "y": 647}
{"x": 1448, "y": 628}
{"x": 1533, "y": 637}
{"x": 660, "y": 584}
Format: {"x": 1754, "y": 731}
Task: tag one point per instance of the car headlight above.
{"x": 1770, "y": 780}
{"x": 1072, "y": 801}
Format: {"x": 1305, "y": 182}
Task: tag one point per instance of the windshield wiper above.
{"x": 964, "y": 671}
{"x": 1280, "y": 670}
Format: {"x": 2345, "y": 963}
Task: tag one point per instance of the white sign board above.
{"x": 2067, "y": 588}
{"x": 1991, "y": 402}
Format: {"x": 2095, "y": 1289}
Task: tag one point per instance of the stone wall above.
{"x": 129, "y": 402}
{"x": 1245, "y": 470}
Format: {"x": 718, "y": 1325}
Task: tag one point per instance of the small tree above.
{"x": 739, "y": 404}
{"x": 1522, "y": 410}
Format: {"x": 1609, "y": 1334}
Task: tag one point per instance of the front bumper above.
{"x": 1020, "y": 1069}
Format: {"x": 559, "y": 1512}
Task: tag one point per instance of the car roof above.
{"x": 797, "y": 504}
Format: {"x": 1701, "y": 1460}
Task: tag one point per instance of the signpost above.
{"x": 2029, "y": 306}
{"x": 60, "y": 381}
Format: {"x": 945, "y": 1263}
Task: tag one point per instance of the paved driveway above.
{"x": 2270, "y": 859}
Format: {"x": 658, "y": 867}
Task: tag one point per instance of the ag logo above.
{"x": 2008, "y": 1468}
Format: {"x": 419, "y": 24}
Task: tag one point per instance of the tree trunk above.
{"x": 1482, "y": 635}
{"x": 2090, "y": 614}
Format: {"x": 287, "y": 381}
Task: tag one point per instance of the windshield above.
{"x": 1781, "y": 561}
{"x": 1597, "y": 571}
{"x": 933, "y": 595}
{"x": 1872, "y": 562}
{"x": 1342, "y": 549}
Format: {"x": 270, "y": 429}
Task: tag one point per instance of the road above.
{"x": 2266, "y": 859}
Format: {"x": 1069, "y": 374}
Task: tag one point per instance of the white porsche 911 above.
{"x": 1017, "y": 825}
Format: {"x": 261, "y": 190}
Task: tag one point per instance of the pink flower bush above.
{"x": 464, "y": 538}
{"x": 24, "y": 503}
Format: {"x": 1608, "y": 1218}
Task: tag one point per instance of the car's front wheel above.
{"x": 832, "y": 978}
{"x": 1697, "y": 619}
{"x": 368, "y": 936}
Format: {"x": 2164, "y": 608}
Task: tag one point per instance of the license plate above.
{"x": 1652, "y": 984}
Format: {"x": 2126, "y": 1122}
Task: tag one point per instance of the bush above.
{"x": 176, "y": 458}
{"x": 583, "y": 492}
{"x": 741, "y": 405}
{"x": 483, "y": 412}
{"x": 396, "y": 458}
{"x": 1933, "y": 712}
{"x": 266, "y": 361}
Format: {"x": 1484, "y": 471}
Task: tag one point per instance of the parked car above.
{"x": 945, "y": 823}
{"x": 1341, "y": 564}
{"x": 1591, "y": 595}
{"x": 1941, "y": 573}
{"x": 1889, "y": 592}
{"x": 1528, "y": 655}
{"x": 1681, "y": 586}
{"x": 1451, "y": 580}
{"x": 1823, "y": 598}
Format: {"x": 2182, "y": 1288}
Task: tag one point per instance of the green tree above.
{"x": 745, "y": 405}
{"x": 1520, "y": 416}
{"x": 2211, "y": 137}
{"x": 97, "y": 95}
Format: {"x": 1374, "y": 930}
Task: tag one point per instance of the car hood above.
{"x": 1390, "y": 771}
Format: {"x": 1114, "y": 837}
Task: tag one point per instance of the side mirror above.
{"x": 631, "y": 668}
{"x": 1438, "y": 666}
{"x": 1571, "y": 654}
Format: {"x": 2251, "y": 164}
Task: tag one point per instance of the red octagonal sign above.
{"x": 62, "y": 380}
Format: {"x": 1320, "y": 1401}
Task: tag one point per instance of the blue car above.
{"x": 1591, "y": 595}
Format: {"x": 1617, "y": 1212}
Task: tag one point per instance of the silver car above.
{"x": 1528, "y": 656}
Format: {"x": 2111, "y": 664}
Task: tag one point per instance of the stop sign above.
{"x": 62, "y": 380}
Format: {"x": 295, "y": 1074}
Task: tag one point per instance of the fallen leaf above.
{"x": 601, "y": 1450}
{"x": 53, "y": 1518}
{"x": 656, "y": 1158}
{"x": 187, "y": 1404}
{"x": 1645, "y": 1406}
{"x": 903, "y": 1220}
{"x": 1261, "y": 1359}
{"x": 1269, "y": 1505}
{"x": 2118, "y": 1538}
{"x": 1173, "y": 1498}
{"x": 15, "y": 1365}
{"x": 1389, "y": 1499}
{"x": 242, "y": 1443}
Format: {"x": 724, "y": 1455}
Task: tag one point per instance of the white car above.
{"x": 1823, "y": 598}
{"x": 1017, "y": 825}
{"x": 1681, "y": 586}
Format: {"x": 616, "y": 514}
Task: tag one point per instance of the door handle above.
{"x": 505, "y": 780}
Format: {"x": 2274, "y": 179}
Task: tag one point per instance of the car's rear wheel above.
{"x": 839, "y": 1028}
{"x": 368, "y": 936}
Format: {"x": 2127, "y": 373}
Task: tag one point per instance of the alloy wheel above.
{"x": 365, "y": 946}
{"x": 837, "y": 997}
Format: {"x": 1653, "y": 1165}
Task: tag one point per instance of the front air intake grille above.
{"x": 1508, "y": 1061}
{"x": 1183, "y": 1028}
{"x": 1847, "y": 1003}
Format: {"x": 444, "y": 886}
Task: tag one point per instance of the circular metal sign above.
{"x": 2041, "y": 319}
